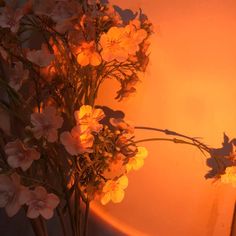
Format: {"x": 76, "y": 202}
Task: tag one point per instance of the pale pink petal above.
{"x": 13, "y": 207}
{"x": 38, "y": 132}
{"x": 33, "y": 154}
{"x": 69, "y": 143}
{"x": 50, "y": 111}
{"x": 46, "y": 212}
{"x": 52, "y": 200}
{"x": 58, "y": 122}
{"x": 15, "y": 179}
{"x": 32, "y": 213}
{"x": 13, "y": 161}
{"x": 40, "y": 192}
{"x": 37, "y": 119}
{"x": 26, "y": 164}
{"x": 52, "y": 136}
{"x": 5, "y": 183}
{"x": 25, "y": 196}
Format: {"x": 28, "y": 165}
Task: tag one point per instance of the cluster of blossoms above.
{"x": 57, "y": 147}
{"x": 223, "y": 162}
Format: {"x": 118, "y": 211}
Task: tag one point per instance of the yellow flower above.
{"x": 88, "y": 117}
{"x": 112, "y": 45}
{"x": 114, "y": 190}
{"x": 137, "y": 161}
{"x": 230, "y": 176}
{"x": 88, "y": 55}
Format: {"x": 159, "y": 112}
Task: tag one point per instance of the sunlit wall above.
{"x": 190, "y": 88}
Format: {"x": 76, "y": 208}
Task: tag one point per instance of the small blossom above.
{"x": 40, "y": 57}
{"x": 122, "y": 125}
{"x": 77, "y": 141}
{"x": 88, "y": 55}
{"x": 230, "y": 176}
{"x": 88, "y": 117}
{"x": 17, "y": 76}
{"x": 113, "y": 190}
{"x": 137, "y": 161}
{"x": 116, "y": 167}
{"x": 132, "y": 38}
{"x": 112, "y": 45}
{"x": 11, "y": 193}
{"x": 19, "y": 155}
{"x": 46, "y": 124}
{"x": 41, "y": 203}
{"x": 10, "y": 18}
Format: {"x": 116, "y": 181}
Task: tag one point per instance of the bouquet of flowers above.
{"x": 59, "y": 150}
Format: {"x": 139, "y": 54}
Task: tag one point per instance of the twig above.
{"x": 169, "y": 132}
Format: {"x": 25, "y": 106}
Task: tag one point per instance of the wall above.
{"x": 189, "y": 88}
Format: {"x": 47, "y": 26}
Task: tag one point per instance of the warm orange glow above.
{"x": 190, "y": 88}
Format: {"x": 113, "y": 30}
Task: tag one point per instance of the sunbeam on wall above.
{"x": 189, "y": 88}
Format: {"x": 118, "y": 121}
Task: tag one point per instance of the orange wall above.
{"x": 190, "y": 88}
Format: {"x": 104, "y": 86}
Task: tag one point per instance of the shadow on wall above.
{"x": 20, "y": 226}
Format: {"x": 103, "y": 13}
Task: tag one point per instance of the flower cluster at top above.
{"x": 56, "y": 144}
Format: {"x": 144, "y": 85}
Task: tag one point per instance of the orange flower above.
{"x": 88, "y": 118}
{"x": 137, "y": 161}
{"x": 114, "y": 190}
{"x": 133, "y": 37}
{"x": 230, "y": 176}
{"x": 88, "y": 55}
{"x": 77, "y": 141}
{"x": 113, "y": 46}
